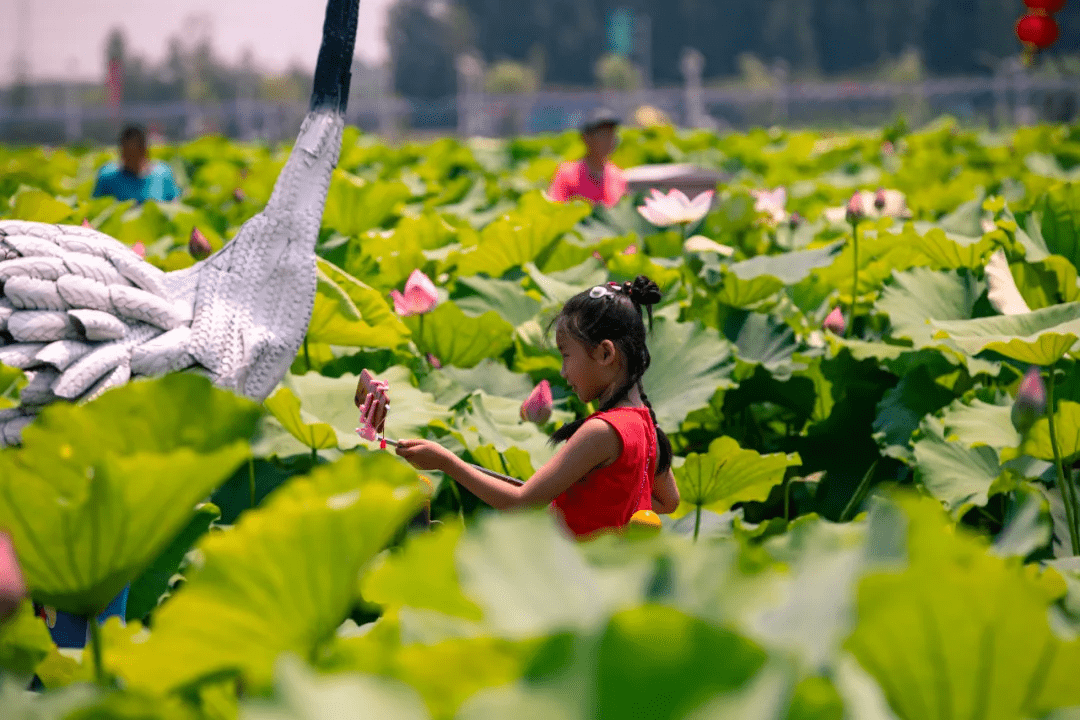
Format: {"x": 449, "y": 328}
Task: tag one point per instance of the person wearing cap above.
{"x": 136, "y": 177}
{"x": 594, "y": 177}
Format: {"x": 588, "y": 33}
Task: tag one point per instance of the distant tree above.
{"x": 421, "y": 47}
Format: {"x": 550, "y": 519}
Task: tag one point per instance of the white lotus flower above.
{"x": 700, "y": 243}
{"x": 771, "y": 202}
{"x": 1003, "y": 293}
{"x": 675, "y": 208}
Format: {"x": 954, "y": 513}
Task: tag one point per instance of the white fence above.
{"x": 1008, "y": 98}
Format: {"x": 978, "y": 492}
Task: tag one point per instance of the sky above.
{"x": 66, "y": 35}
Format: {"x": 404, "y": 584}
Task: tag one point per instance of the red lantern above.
{"x": 1047, "y": 7}
{"x": 1037, "y": 31}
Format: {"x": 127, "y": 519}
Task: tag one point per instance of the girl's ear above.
{"x": 605, "y": 352}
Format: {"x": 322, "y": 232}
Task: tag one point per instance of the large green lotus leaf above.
{"x": 602, "y": 676}
{"x": 530, "y": 234}
{"x": 84, "y": 517}
{"x": 957, "y": 475}
{"x": 457, "y": 339}
{"x": 736, "y": 292}
{"x": 330, "y": 401}
{"x": 153, "y": 585}
{"x": 982, "y": 420}
{"x": 763, "y": 340}
{"x": 728, "y": 474}
{"x": 530, "y": 579}
{"x": 1048, "y": 282}
{"x": 903, "y": 407}
{"x": 1059, "y": 212}
{"x": 506, "y": 297}
{"x": 1066, "y": 426}
{"x": 1041, "y": 337}
{"x": 423, "y": 576}
{"x": 301, "y": 694}
{"x": 348, "y": 312}
{"x": 949, "y": 251}
{"x": 917, "y": 628}
{"x": 690, "y": 363}
{"x": 789, "y": 268}
{"x": 879, "y": 256}
{"x": 354, "y": 205}
{"x": 24, "y": 641}
{"x": 400, "y": 251}
{"x": 558, "y": 287}
{"x": 496, "y": 421}
{"x": 39, "y": 206}
{"x": 12, "y": 380}
{"x": 285, "y": 407}
{"x": 282, "y": 579}
{"x": 919, "y": 295}
{"x": 451, "y": 385}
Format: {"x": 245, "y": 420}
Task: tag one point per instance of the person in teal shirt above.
{"x": 136, "y": 176}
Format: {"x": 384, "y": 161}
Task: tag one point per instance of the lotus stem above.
{"x": 251, "y": 478}
{"x": 1065, "y": 485}
{"x": 854, "y": 275}
{"x": 307, "y": 356}
{"x": 697, "y": 521}
{"x": 860, "y": 493}
{"x": 97, "y": 650}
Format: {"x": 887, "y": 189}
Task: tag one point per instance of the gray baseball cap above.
{"x": 598, "y": 118}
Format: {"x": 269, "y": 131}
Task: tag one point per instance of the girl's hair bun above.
{"x": 643, "y": 291}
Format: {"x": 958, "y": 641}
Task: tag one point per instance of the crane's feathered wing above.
{"x": 81, "y": 312}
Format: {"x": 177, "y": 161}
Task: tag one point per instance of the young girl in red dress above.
{"x": 614, "y": 462}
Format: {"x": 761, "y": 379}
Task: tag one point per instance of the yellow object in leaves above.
{"x": 645, "y": 519}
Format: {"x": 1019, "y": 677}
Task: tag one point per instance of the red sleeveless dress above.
{"x": 608, "y": 496}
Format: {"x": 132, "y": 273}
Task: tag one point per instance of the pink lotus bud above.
{"x": 420, "y": 296}
{"x": 86, "y": 223}
{"x": 139, "y": 249}
{"x": 887, "y": 148}
{"x": 879, "y": 199}
{"x": 600, "y": 258}
{"x": 834, "y": 322}
{"x": 795, "y": 220}
{"x": 12, "y": 583}
{"x": 537, "y": 407}
{"x": 239, "y": 195}
{"x": 630, "y": 250}
{"x": 198, "y": 245}
{"x": 855, "y": 211}
{"x": 434, "y": 361}
{"x": 1030, "y": 404}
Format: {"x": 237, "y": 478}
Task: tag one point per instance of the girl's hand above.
{"x": 425, "y": 454}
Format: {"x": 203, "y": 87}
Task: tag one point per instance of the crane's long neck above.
{"x": 302, "y": 186}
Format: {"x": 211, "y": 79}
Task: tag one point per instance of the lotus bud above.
{"x": 239, "y": 195}
{"x": 419, "y": 298}
{"x": 795, "y": 220}
{"x": 86, "y": 223}
{"x": 434, "y": 361}
{"x": 630, "y": 250}
{"x": 537, "y": 407}
{"x": 887, "y": 148}
{"x": 1030, "y": 403}
{"x": 198, "y": 245}
{"x": 834, "y": 322}
{"x": 12, "y": 583}
{"x": 855, "y": 211}
{"x": 879, "y": 199}
{"x": 139, "y": 249}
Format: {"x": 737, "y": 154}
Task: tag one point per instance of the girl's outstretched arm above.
{"x": 665, "y": 493}
{"x": 594, "y": 445}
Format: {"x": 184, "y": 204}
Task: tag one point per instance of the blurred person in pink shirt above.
{"x": 592, "y": 178}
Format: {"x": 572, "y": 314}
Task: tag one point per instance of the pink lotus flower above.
{"x": 1030, "y": 403}
{"x": 12, "y": 583}
{"x": 86, "y": 223}
{"x": 198, "y": 245}
{"x": 834, "y": 322}
{"x": 630, "y": 250}
{"x": 419, "y": 298}
{"x": 771, "y": 203}
{"x": 434, "y": 361}
{"x": 675, "y": 208}
{"x": 537, "y": 407}
{"x": 139, "y": 249}
{"x": 856, "y": 210}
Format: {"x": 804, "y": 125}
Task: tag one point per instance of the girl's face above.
{"x": 583, "y": 369}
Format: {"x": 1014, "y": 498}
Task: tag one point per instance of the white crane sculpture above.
{"x": 80, "y": 312}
